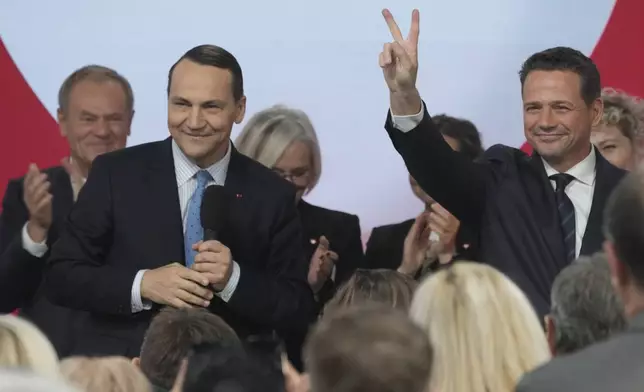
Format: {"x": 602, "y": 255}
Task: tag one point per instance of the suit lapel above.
{"x": 164, "y": 210}
{"x": 606, "y": 178}
{"x": 544, "y": 196}
{"x": 236, "y": 189}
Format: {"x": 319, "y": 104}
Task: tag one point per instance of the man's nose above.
{"x": 547, "y": 120}
{"x": 195, "y": 119}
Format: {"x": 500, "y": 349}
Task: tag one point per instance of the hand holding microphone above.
{"x": 214, "y": 259}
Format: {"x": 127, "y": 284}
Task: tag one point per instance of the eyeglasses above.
{"x": 296, "y": 175}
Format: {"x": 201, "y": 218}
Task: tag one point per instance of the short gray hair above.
{"x": 269, "y": 133}
{"x": 95, "y": 73}
{"x": 585, "y": 308}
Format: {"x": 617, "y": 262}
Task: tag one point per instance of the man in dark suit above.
{"x": 95, "y": 113}
{"x": 534, "y": 214}
{"x": 616, "y": 364}
{"x": 133, "y": 240}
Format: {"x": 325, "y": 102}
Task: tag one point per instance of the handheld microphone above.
{"x": 214, "y": 207}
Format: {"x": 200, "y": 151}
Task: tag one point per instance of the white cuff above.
{"x": 407, "y": 123}
{"x": 138, "y": 304}
{"x": 230, "y": 288}
{"x": 36, "y": 249}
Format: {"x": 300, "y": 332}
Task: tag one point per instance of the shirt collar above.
{"x": 583, "y": 172}
{"x": 185, "y": 168}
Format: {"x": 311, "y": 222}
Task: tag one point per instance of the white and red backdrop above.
{"x": 317, "y": 56}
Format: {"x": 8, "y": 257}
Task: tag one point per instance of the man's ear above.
{"x": 597, "y": 111}
{"x": 60, "y": 116}
{"x": 550, "y": 334}
{"x": 241, "y": 110}
{"x": 136, "y": 361}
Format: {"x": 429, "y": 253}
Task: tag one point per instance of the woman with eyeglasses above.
{"x": 284, "y": 140}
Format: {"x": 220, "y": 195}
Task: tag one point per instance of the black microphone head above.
{"x": 214, "y": 207}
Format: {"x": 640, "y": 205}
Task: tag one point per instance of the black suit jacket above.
{"x": 21, "y": 273}
{"x": 616, "y": 365}
{"x": 341, "y": 229}
{"x": 127, "y": 218}
{"x": 508, "y": 199}
{"x": 386, "y": 244}
{"x": 343, "y": 232}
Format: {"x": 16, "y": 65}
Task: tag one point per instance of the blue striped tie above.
{"x": 194, "y": 230}
{"x": 566, "y": 213}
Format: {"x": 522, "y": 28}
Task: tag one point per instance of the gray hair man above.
{"x": 585, "y": 308}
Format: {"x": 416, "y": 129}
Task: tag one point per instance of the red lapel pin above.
{"x": 239, "y": 195}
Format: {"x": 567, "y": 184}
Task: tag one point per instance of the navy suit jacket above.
{"x": 127, "y": 218}
{"x": 508, "y": 200}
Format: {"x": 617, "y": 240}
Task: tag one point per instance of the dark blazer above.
{"x": 341, "y": 229}
{"x": 21, "y": 273}
{"x": 508, "y": 199}
{"x": 127, "y": 218}
{"x": 616, "y": 365}
{"x": 343, "y": 232}
{"x": 386, "y": 244}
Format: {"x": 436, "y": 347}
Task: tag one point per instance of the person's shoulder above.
{"x": 501, "y": 152}
{"x": 392, "y": 227}
{"x": 133, "y": 156}
{"x": 582, "y": 367}
{"x": 333, "y": 215}
{"x": 261, "y": 176}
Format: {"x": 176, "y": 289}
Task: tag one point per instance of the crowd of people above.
{"x": 522, "y": 272}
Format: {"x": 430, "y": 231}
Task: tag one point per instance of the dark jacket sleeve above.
{"x": 278, "y": 296}
{"x": 351, "y": 255}
{"x": 377, "y": 250}
{"x": 77, "y": 275}
{"x": 20, "y": 272}
{"x": 452, "y": 179}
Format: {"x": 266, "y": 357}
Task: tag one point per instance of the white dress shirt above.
{"x": 185, "y": 171}
{"x": 580, "y": 190}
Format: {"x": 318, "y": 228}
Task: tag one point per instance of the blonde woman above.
{"x": 619, "y": 135}
{"x": 284, "y": 139}
{"x": 484, "y": 331}
{"x": 106, "y": 374}
{"x": 381, "y": 286}
{"x": 22, "y": 345}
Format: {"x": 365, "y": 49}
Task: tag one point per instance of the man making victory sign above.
{"x": 534, "y": 214}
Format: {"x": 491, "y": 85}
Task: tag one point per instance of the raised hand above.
{"x": 38, "y": 200}
{"x": 399, "y": 59}
{"x": 321, "y": 265}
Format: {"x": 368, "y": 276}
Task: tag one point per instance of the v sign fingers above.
{"x": 393, "y": 26}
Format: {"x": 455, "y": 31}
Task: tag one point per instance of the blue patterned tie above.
{"x": 566, "y": 213}
{"x": 194, "y": 231}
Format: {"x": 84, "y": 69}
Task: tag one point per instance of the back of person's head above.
{"x": 22, "y": 345}
{"x": 171, "y": 336}
{"x": 463, "y": 131}
{"x": 624, "y": 231}
{"x": 566, "y": 60}
{"x": 24, "y": 380}
{"x": 105, "y": 374}
{"x": 484, "y": 330}
{"x": 584, "y": 306}
{"x": 374, "y": 286}
{"x": 370, "y": 348}
{"x": 225, "y": 368}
